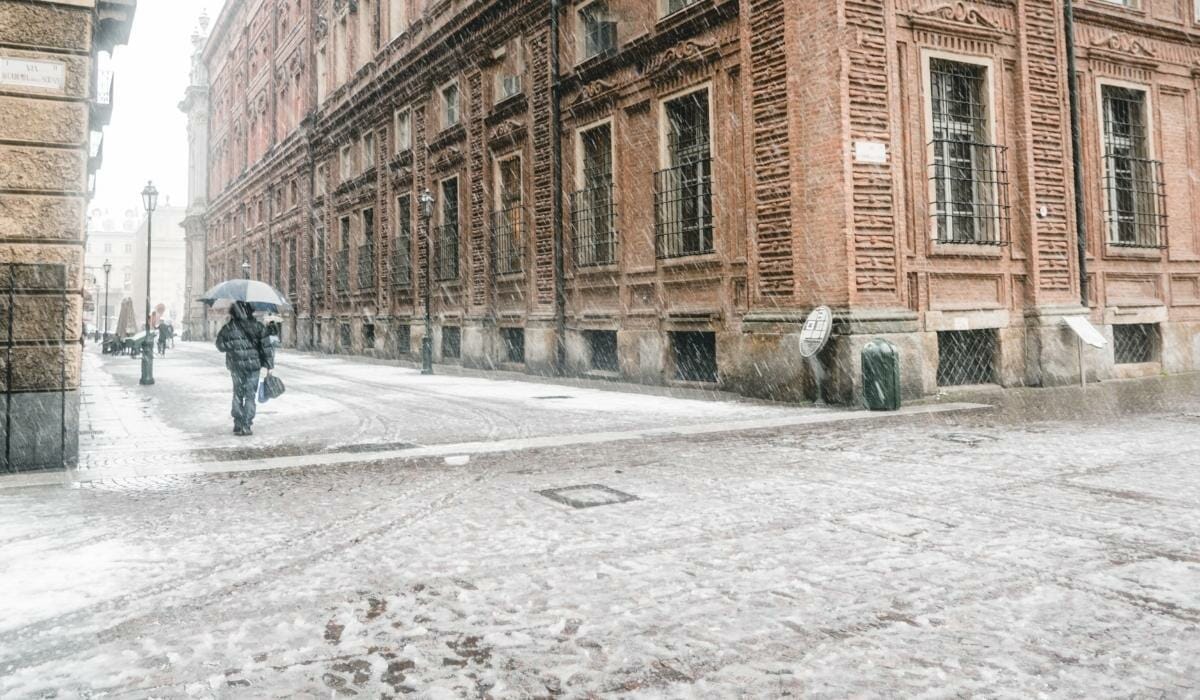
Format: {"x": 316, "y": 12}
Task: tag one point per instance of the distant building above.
{"x": 195, "y": 106}
{"x": 726, "y": 166}
{"x": 168, "y": 264}
{"x": 55, "y": 99}
{"x": 110, "y": 239}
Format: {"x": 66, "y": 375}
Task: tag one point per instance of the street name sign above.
{"x": 30, "y": 73}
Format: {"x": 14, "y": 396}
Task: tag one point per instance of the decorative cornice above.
{"x": 958, "y": 12}
{"x": 508, "y": 132}
{"x": 958, "y": 19}
{"x": 680, "y": 57}
{"x": 1124, "y": 44}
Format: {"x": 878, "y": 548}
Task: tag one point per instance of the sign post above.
{"x": 813, "y": 338}
{"x": 1085, "y": 332}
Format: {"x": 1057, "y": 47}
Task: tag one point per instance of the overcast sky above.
{"x": 147, "y": 138}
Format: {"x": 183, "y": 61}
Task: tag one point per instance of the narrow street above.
{"x": 947, "y": 553}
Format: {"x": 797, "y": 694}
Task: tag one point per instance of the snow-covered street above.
{"x": 1048, "y": 546}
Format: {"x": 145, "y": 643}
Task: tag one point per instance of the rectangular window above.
{"x": 317, "y": 281}
{"x": 342, "y": 270}
{"x": 451, "y": 342}
{"x": 1136, "y": 343}
{"x": 670, "y": 7}
{"x": 344, "y": 336}
{"x": 597, "y": 30}
{"x": 402, "y": 260}
{"x": 507, "y": 86}
{"x": 603, "y": 350}
{"x": 404, "y": 339}
{"x": 508, "y": 220}
{"x": 320, "y": 176}
{"x": 403, "y": 127}
{"x": 593, "y": 216}
{"x": 1134, "y": 191}
{"x": 969, "y": 175}
{"x": 514, "y": 344}
{"x": 450, "y": 106}
{"x": 368, "y": 333}
{"x": 397, "y": 17}
{"x": 447, "y": 260}
{"x": 347, "y": 162}
{"x": 967, "y": 357}
{"x": 368, "y": 147}
{"x": 366, "y": 251}
{"x": 695, "y": 355}
{"x": 683, "y": 190}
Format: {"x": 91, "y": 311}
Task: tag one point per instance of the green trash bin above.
{"x": 881, "y": 376}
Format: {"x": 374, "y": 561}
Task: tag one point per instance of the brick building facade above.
{"x": 723, "y": 167}
{"x": 55, "y": 100}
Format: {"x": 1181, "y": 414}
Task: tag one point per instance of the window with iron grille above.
{"x": 1135, "y": 212}
{"x": 402, "y": 260}
{"x": 683, "y": 191}
{"x": 593, "y": 215}
{"x": 404, "y": 339}
{"x": 1136, "y": 343}
{"x": 603, "y": 350}
{"x": 447, "y": 234}
{"x": 451, "y": 342}
{"x": 366, "y": 251}
{"x": 967, "y": 357}
{"x": 695, "y": 355}
{"x": 597, "y": 30}
{"x": 368, "y": 332}
{"x": 508, "y": 221}
{"x": 342, "y": 268}
{"x": 969, "y": 178}
{"x": 514, "y": 344}
{"x": 292, "y": 289}
{"x": 344, "y": 336}
{"x": 317, "y": 283}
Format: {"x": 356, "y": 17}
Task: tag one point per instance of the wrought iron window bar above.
{"x": 508, "y": 236}
{"x": 1135, "y": 202}
{"x": 970, "y": 188}
{"x": 366, "y": 266}
{"x": 342, "y": 271}
{"x": 447, "y": 253}
{"x": 593, "y": 226}
{"x": 402, "y": 260}
{"x": 683, "y": 209}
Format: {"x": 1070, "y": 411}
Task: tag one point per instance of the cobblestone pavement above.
{"x": 1050, "y": 546}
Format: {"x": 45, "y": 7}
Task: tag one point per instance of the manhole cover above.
{"x": 971, "y": 439}
{"x": 588, "y": 496}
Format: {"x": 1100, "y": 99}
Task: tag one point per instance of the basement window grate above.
{"x": 588, "y": 496}
{"x": 967, "y": 357}
{"x": 451, "y": 342}
{"x": 603, "y": 347}
{"x": 695, "y": 354}
{"x": 1135, "y": 343}
{"x": 514, "y": 344}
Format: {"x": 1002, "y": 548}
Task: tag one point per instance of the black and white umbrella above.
{"x": 260, "y": 295}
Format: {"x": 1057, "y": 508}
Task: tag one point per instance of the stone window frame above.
{"x": 369, "y": 144}
{"x": 405, "y": 145}
{"x": 346, "y": 162}
{"x": 581, "y": 56}
{"x": 1152, "y": 153}
{"x": 580, "y": 181}
{"x": 929, "y": 54}
{"x": 443, "y": 104}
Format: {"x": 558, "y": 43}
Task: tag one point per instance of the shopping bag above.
{"x": 274, "y": 386}
{"x": 262, "y": 392}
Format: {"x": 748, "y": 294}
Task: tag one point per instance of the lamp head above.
{"x": 150, "y": 197}
{"x": 107, "y": 267}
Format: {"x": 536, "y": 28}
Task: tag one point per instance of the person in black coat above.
{"x": 247, "y": 351}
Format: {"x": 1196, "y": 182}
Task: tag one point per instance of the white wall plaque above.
{"x": 873, "y": 152}
{"x": 30, "y": 73}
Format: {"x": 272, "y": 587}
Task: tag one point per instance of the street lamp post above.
{"x": 427, "y": 339}
{"x": 107, "y": 269}
{"x": 245, "y": 269}
{"x": 150, "y": 201}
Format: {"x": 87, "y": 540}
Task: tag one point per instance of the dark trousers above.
{"x": 245, "y": 387}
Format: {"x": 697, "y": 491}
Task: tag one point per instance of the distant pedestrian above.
{"x": 164, "y": 334}
{"x": 247, "y": 351}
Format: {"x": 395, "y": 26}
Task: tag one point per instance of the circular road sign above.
{"x": 817, "y": 329}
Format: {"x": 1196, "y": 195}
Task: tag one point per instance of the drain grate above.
{"x": 588, "y": 496}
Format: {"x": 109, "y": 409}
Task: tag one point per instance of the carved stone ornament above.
{"x": 591, "y": 91}
{"x": 680, "y": 57}
{"x": 322, "y": 28}
{"x": 447, "y": 159}
{"x": 509, "y": 131}
{"x": 1124, "y": 44}
{"x": 958, "y": 12}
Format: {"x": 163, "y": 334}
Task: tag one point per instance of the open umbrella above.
{"x": 260, "y": 295}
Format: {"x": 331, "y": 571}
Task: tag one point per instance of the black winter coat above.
{"x": 245, "y": 344}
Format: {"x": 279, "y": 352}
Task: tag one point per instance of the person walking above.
{"x": 247, "y": 351}
{"x": 164, "y": 333}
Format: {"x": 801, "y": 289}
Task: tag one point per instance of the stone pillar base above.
{"x": 45, "y": 431}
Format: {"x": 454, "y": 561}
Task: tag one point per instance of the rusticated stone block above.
{"x": 69, "y": 256}
{"x": 32, "y": 120}
{"x": 45, "y": 26}
{"x": 42, "y": 318}
{"x": 41, "y": 368}
{"x": 77, "y": 73}
{"x": 27, "y": 168}
{"x": 45, "y": 431}
{"x": 41, "y": 216}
